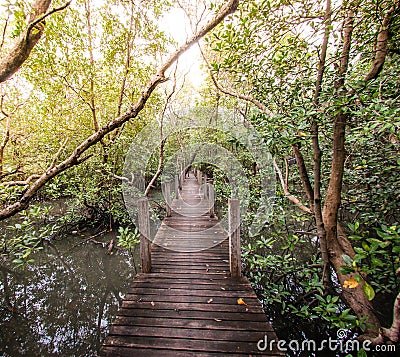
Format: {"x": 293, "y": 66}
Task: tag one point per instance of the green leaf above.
{"x": 368, "y": 291}
{"x": 358, "y": 257}
{"x": 346, "y": 269}
{"x": 362, "y": 353}
{"x": 347, "y": 259}
{"x": 376, "y": 262}
{"x": 358, "y": 278}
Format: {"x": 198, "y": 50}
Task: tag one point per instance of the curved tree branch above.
{"x": 382, "y": 43}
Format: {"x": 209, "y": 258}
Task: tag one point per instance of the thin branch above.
{"x": 286, "y": 192}
{"x": 122, "y": 178}
{"x": 306, "y": 233}
{"x": 5, "y": 27}
{"x": 4, "y": 143}
{"x": 79, "y": 160}
{"x": 230, "y": 92}
{"x": 22, "y": 182}
{"x": 41, "y": 18}
{"x": 163, "y": 140}
{"x": 305, "y": 180}
{"x": 58, "y": 153}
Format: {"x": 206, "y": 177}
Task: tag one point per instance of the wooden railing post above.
{"x": 176, "y": 186}
{"x": 205, "y": 187}
{"x": 199, "y": 177}
{"x": 234, "y": 237}
{"x": 211, "y": 197}
{"x": 144, "y": 229}
{"x": 167, "y": 193}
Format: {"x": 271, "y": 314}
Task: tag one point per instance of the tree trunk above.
{"x": 337, "y": 242}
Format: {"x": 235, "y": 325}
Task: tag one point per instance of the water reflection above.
{"x": 64, "y": 302}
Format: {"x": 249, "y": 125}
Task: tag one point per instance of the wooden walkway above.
{"x": 188, "y": 304}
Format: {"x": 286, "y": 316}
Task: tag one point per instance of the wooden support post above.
{"x": 144, "y": 229}
{"x": 181, "y": 173}
{"x": 211, "y": 197}
{"x": 199, "y": 177}
{"x": 176, "y": 186}
{"x": 234, "y": 237}
{"x": 167, "y": 193}
{"x": 205, "y": 187}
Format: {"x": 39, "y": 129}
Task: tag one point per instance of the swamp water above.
{"x": 64, "y": 302}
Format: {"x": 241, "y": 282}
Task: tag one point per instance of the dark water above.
{"x": 63, "y": 303}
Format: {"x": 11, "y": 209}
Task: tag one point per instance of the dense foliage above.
{"x": 267, "y": 64}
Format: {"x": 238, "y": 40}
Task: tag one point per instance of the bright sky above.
{"x": 176, "y": 24}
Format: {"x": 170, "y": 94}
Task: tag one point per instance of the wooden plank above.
{"x": 225, "y": 300}
{"x": 185, "y": 260}
{"x": 186, "y": 279}
{"x": 191, "y": 306}
{"x": 209, "y": 324}
{"x": 193, "y": 292}
{"x": 243, "y": 317}
{"x": 144, "y": 352}
{"x": 186, "y": 332}
{"x": 177, "y": 344}
{"x": 189, "y": 287}
{"x": 152, "y": 352}
{"x": 205, "y": 276}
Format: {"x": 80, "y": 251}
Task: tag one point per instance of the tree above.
{"x": 268, "y": 53}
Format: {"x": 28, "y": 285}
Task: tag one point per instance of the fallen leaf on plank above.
{"x": 240, "y": 301}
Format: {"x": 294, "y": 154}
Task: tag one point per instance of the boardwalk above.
{"x": 188, "y": 304}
